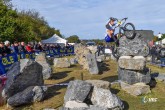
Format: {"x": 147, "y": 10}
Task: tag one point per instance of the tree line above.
{"x": 24, "y": 25}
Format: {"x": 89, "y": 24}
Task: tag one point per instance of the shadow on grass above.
{"x": 110, "y": 78}
{"x": 153, "y": 82}
{"x": 114, "y": 91}
{"x": 72, "y": 66}
{"x": 60, "y": 75}
{"x": 126, "y": 105}
{"x": 103, "y": 67}
{"x": 52, "y": 89}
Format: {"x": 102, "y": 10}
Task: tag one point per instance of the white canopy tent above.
{"x": 55, "y": 39}
{"x": 163, "y": 41}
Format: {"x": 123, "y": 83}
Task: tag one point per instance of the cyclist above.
{"x": 110, "y": 30}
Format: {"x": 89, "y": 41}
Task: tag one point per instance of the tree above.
{"x": 73, "y": 39}
{"x": 163, "y": 36}
{"x": 23, "y": 26}
{"x": 155, "y": 39}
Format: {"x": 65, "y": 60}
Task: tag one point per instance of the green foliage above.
{"x": 155, "y": 39}
{"x": 24, "y": 25}
{"x": 163, "y": 37}
{"x": 73, "y": 39}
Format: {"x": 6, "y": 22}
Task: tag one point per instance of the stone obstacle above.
{"x": 132, "y": 70}
{"x": 86, "y": 58}
{"x": 24, "y": 83}
{"x": 47, "y": 70}
{"x": 90, "y": 95}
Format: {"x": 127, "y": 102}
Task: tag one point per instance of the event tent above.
{"x": 163, "y": 41}
{"x": 55, "y": 39}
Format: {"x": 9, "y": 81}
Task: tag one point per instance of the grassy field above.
{"x": 108, "y": 73}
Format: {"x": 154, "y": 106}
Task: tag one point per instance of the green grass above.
{"x": 108, "y": 73}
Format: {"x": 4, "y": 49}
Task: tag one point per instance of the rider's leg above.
{"x": 111, "y": 34}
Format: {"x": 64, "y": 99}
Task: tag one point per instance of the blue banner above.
{"x": 7, "y": 61}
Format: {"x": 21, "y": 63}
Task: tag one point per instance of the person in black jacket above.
{"x": 2, "y": 49}
{"x": 22, "y": 48}
{"x": 153, "y": 54}
{"x": 7, "y": 48}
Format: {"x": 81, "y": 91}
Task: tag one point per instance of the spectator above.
{"x": 153, "y": 53}
{"x": 2, "y": 49}
{"x": 21, "y": 47}
{"x": 29, "y": 48}
{"x": 7, "y": 48}
{"x": 38, "y": 47}
{"x": 15, "y": 47}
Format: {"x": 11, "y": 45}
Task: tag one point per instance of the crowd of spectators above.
{"x": 19, "y": 47}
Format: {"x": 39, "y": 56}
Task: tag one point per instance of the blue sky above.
{"x": 87, "y": 18}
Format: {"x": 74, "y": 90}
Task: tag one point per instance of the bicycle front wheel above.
{"x": 129, "y": 30}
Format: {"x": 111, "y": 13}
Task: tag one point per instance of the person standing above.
{"x": 7, "y": 48}
{"x": 153, "y": 54}
{"x": 159, "y": 38}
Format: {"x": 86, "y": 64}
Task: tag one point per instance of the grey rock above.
{"x": 29, "y": 95}
{"x": 77, "y": 91}
{"x": 104, "y": 98}
{"x": 39, "y": 93}
{"x": 133, "y": 47}
{"x": 81, "y": 52}
{"x": 132, "y": 77}
{"x": 22, "y": 75}
{"x": 100, "y": 83}
{"x": 93, "y": 49}
{"x": 74, "y": 105}
{"x": 132, "y": 63}
{"x": 63, "y": 108}
{"x": 73, "y": 61}
{"x": 160, "y": 77}
{"x": 100, "y": 58}
{"x": 61, "y": 63}
{"x": 92, "y": 64}
{"x": 94, "y": 107}
{"x": 47, "y": 70}
{"x": 136, "y": 89}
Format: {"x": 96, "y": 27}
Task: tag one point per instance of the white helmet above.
{"x": 7, "y": 42}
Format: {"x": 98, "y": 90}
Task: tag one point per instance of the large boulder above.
{"x": 74, "y": 104}
{"x": 100, "y": 83}
{"x": 47, "y": 70}
{"x": 132, "y": 63}
{"x": 93, "y": 49}
{"x": 81, "y": 52}
{"x": 132, "y": 77}
{"x": 61, "y": 63}
{"x": 133, "y": 47}
{"x": 22, "y": 75}
{"x": 136, "y": 89}
{"x": 29, "y": 95}
{"x": 92, "y": 64}
{"x": 104, "y": 98}
{"x": 77, "y": 91}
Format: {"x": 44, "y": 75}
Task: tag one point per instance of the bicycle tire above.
{"x": 132, "y": 36}
{"x": 148, "y": 51}
{"x": 114, "y": 53}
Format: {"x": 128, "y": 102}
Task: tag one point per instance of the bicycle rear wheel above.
{"x": 129, "y": 30}
{"x": 115, "y": 53}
